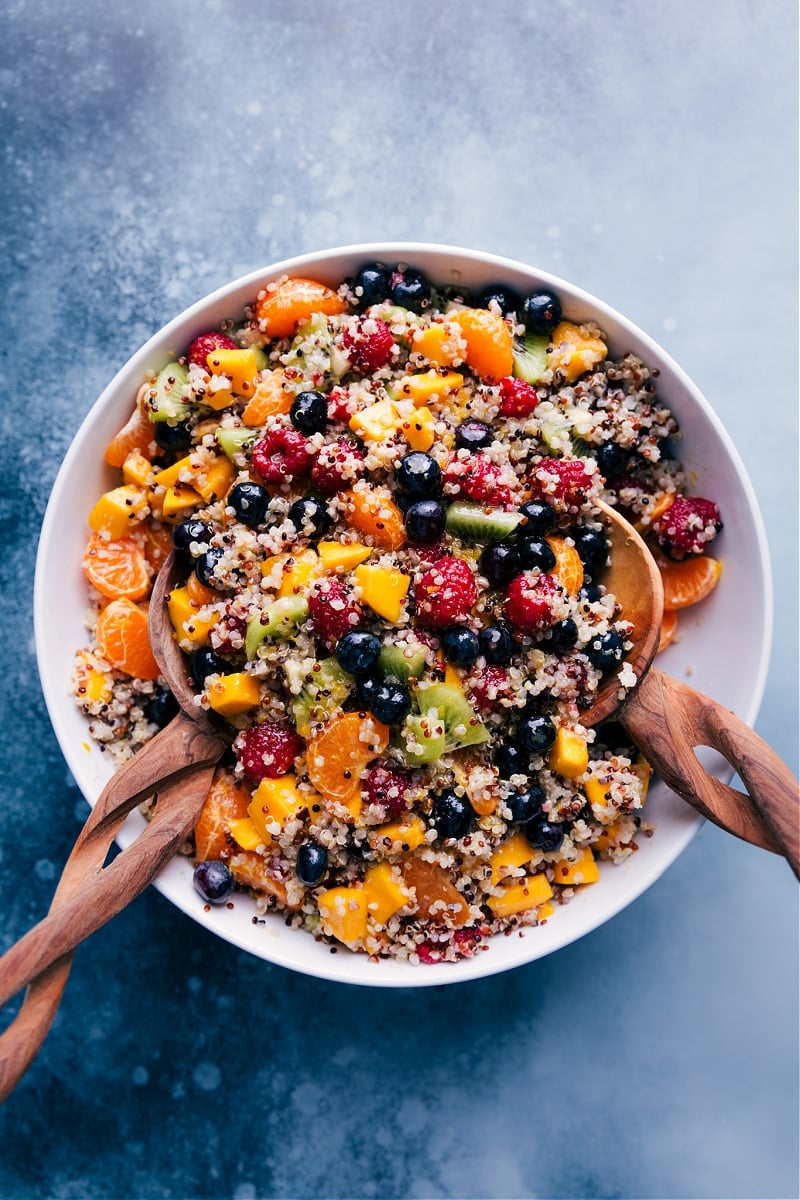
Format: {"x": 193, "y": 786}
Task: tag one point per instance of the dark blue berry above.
{"x": 358, "y": 652}
{"x": 564, "y": 635}
{"x": 451, "y": 815}
{"x": 536, "y": 734}
{"x": 590, "y": 593}
{"x": 500, "y": 564}
{"x": 172, "y": 437}
{"x": 390, "y": 701}
{"x": 373, "y": 282}
{"x": 541, "y": 312}
{"x": 525, "y": 806}
{"x": 419, "y": 475}
{"x": 161, "y": 708}
{"x": 366, "y": 689}
{"x": 508, "y": 300}
{"x": 190, "y": 531}
{"x": 612, "y": 460}
{"x": 544, "y": 836}
{"x": 213, "y": 881}
{"x": 510, "y": 759}
{"x": 497, "y": 644}
{"x": 593, "y": 548}
{"x": 312, "y": 863}
{"x": 540, "y": 519}
{"x": 204, "y": 662}
{"x": 460, "y": 645}
{"x": 425, "y": 521}
{"x": 535, "y": 554}
{"x": 309, "y": 412}
{"x": 410, "y": 289}
{"x": 606, "y": 650}
{"x": 473, "y": 435}
{"x": 310, "y": 516}
{"x": 205, "y": 567}
{"x": 250, "y": 502}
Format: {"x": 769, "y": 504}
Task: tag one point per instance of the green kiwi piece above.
{"x": 474, "y": 523}
{"x": 402, "y": 660}
{"x": 462, "y": 726}
{"x": 530, "y": 356}
{"x": 282, "y": 618}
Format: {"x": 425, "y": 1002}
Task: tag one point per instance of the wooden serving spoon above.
{"x": 667, "y": 719}
{"x": 177, "y": 766}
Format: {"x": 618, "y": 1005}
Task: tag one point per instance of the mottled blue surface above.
{"x": 151, "y": 152}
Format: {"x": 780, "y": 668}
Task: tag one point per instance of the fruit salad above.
{"x": 383, "y": 499}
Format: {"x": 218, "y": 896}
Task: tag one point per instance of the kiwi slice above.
{"x": 530, "y": 356}
{"x": 233, "y": 441}
{"x": 403, "y": 660}
{"x": 326, "y": 689}
{"x": 282, "y": 618}
{"x": 474, "y": 523}
{"x": 167, "y": 399}
{"x": 462, "y": 726}
{"x": 421, "y": 739}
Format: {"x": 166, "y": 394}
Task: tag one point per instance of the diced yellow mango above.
{"x": 410, "y": 833}
{"x": 438, "y": 343}
{"x": 231, "y": 695}
{"x": 274, "y": 801}
{"x": 515, "y": 852}
{"x": 344, "y": 914}
{"x": 383, "y": 589}
{"x": 171, "y": 475}
{"x": 569, "y": 756}
{"x": 609, "y": 835}
{"x": 246, "y": 834}
{"x": 453, "y": 677}
{"x": 386, "y": 894}
{"x": 214, "y": 483}
{"x": 645, "y": 772}
{"x": 336, "y": 557}
{"x": 545, "y": 911}
{"x": 575, "y": 349}
{"x": 178, "y": 498}
{"x": 376, "y": 422}
{"x": 218, "y": 398}
{"x": 595, "y": 791}
{"x": 420, "y": 430}
{"x": 240, "y": 366}
{"x": 520, "y": 896}
{"x": 428, "y": 386}
{"x": 299, "y": 573}
{"x": 118, "y": 511}
{"x": 583, "y": 870}
{"x": 137, "y": 470}
{"x": 93, "y": 684}
{"x": 187, "y": 624}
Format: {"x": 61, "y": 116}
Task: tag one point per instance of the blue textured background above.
{"x": 153, "y": 151}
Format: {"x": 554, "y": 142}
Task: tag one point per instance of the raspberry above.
{"x": 563, "y": 479}
{"x": 429, "y": 552}
{"x": 477, "y": 478}
{"x": 268, "y": 751}
{"x": 206, "y": 344}
{"x": 687, "y": 527}
{"x": 529, "y": 602}
{"x": 281, "y": 454}
{"x": 341, "y": 405}
{"x": 369, "y": 344}
{"x": 337, "y": 466}
{"x": 445, "y": 593}
{"x": 518, "y": 398}
{"x": 387, "y": 788}
{"x": 333, "y": 611}
{"x": 488, "y": 687}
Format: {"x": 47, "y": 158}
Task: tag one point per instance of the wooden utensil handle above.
{"x": 667, "y": 720}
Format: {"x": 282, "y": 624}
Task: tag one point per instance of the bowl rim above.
{"x": 480, "y": 965}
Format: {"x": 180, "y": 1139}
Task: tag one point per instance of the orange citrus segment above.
{"x": 376, "y": 516}
{"x": 156, "y": 543}
{"x": 337, "y": 756}
{"x": 225, "y": 803}
{"x": 269, "y": 398}
{"x": 253, "y": 871}
{"x": 117, "y": 569}
{"x": 432, "y": 887}
{"x": 123, "y": 639}
{"x": 489, "y": 342}
{"x": 669, "y": 628}
{"x": 280, "y": 307}
{"x": 569, "y": 567}
{"x": 690, "y": 581}
{"x": 136, "y": 434}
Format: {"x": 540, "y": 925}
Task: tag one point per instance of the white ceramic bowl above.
{"x": 702, "y": 656}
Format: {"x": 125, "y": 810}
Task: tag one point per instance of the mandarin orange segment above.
{"x": 136, "y": 435}
{"x": 282, "y": 306}
{"x": 156, "y": 543}
{"x": 123, "y": 639}
{"x": 117, "y": 569}
{"x": 690, "y": 581}
{"x": 376, "y": 516}
{"x": 669, "y": 627}
{"x": 489, "y": 342}
{"x": 437, "y": 898}
{"x": 225, "y": 803}
{"x": 569, "y": 567}
{"x": 337, "y": 756}
{"x": 268, "y": 399}
{"x": 251, "y": 870}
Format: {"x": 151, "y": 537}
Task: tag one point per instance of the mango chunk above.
{"x": 274, "y": 801}
{"x": 546, "y": 910}
{"x": 231, "y": 695}
{"x": 137, "y": 470}
{"x": 118, "y": 511}
{"x": 428, "y": 386}
{"x": 569, "y": 756}
{"x": 299, "y": 573}
{"x": 575, "y": 349}
{"x": 595, "y": 791}
{"x": 344, "y": 914}
{"x": 338, "y": 558}
{"x": 93, "y": 684}
{"x": 246, "y": 834}
{"x": 188, "y": 626}
{"x": 583, "y": 870}
{"x": 169, "y": 476}
{"x": 218, "y": 398}
{"x": 179, "y": 498}
{"x": 215, "y": 481}
{"x": 376, "y": 422}
{"x": 520, "y": 896}
{"x": 438, "y": 343}
{"x": 420, "y": 430}
{"x": 408, "y": 833}
{"x": 383, "y": 589}
{"x": 386, "y": 894}
{"x": 515, "y": 852}
{"x": 240, "y": 366}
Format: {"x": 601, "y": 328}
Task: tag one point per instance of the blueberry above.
{"x": 606, "y": 650}
{"x": 161, "y": 707}
{"x": 511, "y": 759}
{"x": 500, "y": 564}
{"x": 425, "y": 521}
{"x": 190, "y": 531}
{"x": 418, "y": 474}
{"x": 497, "y": 644}
{"x": 564, "y": 635}
{"x": 250, "y": 502}
{"x": 205, "y": 566}
{"x": 541, "y": 312}
{"x": 172, "y": 437}
{"x": 310, "y": 516}
{"x": 204, "y": 662}
{"x": 593, "y": 548}
{"x": 540, "y": 519}
{"x": 390, "y": 701}
{"x": 358, "y": 652}
{"x": 536, "y": 734}
{"x": 508, "y": 300}
{"x": 525, "y": 806}
{"x": 366, "y": 689}
{"x": 460, "y": 645}
{"x": 312, "y": 863}
{"x": 410, "y": 289}
{"x": 534, "y": 554}
{"x": 451, "y": 815}
{"x": 590, "y": 593}
{"x": 373, "y": 282}
{"x": 473, "y": 435}
{"x": 213, "y": 881}
{"x": 612, "y": 460}
{"x": 544, "y": 836}
{"x": 309, "y": 412}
